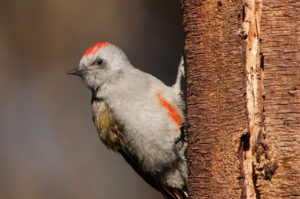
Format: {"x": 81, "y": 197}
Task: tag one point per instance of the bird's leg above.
{"x": 183, "y": 133}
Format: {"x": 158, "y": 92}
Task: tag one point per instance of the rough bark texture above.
{"x": 278, "y": 151}
{"x": 216, "y": 99}
{"x": 243, "y": 98}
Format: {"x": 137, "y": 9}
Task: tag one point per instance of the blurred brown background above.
{"x": 49, "y": 147}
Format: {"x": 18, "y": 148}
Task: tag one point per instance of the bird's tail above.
{"x": 173, "y": 193}
{"x": 180, "y": 74}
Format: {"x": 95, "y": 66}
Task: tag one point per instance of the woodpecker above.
{"x": 138, "y": 116}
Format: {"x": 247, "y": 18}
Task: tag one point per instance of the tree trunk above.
{"x": 243, "y": 98}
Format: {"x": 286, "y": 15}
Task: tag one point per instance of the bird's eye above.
{"x": 99, "y": 62}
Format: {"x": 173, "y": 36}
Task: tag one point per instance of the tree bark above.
{"x": 243, "y": 98}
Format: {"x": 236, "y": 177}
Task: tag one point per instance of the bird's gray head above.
{"x": 100, "y": 64}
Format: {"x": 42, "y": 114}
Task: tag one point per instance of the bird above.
{"x": 138, "y": 116}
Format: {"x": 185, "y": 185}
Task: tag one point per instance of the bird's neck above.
{"x": 94, "y": 94}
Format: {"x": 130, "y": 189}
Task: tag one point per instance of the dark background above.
{"x": 49, "y": 147}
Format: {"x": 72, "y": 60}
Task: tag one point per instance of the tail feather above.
{"x": 180, "y": 74}
{"x": 173, "y": 193}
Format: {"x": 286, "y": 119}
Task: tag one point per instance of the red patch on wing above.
{"x": 94, "y": 48}
{"x": 173, "y": 113}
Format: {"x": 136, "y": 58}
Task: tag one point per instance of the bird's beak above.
{"x": 77, "y": 71}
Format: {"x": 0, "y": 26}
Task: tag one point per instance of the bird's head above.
{"x": 101, "y": 63}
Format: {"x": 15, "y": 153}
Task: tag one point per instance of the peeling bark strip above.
{"x": 216, "y": 97}
{"x": 254, "y": 90}
{"x": 243, "y": 98}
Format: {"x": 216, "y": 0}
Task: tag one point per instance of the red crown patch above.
{"x": 94, "y": 48}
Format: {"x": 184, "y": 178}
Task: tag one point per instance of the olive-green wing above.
{"x": 110, "y": 132}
